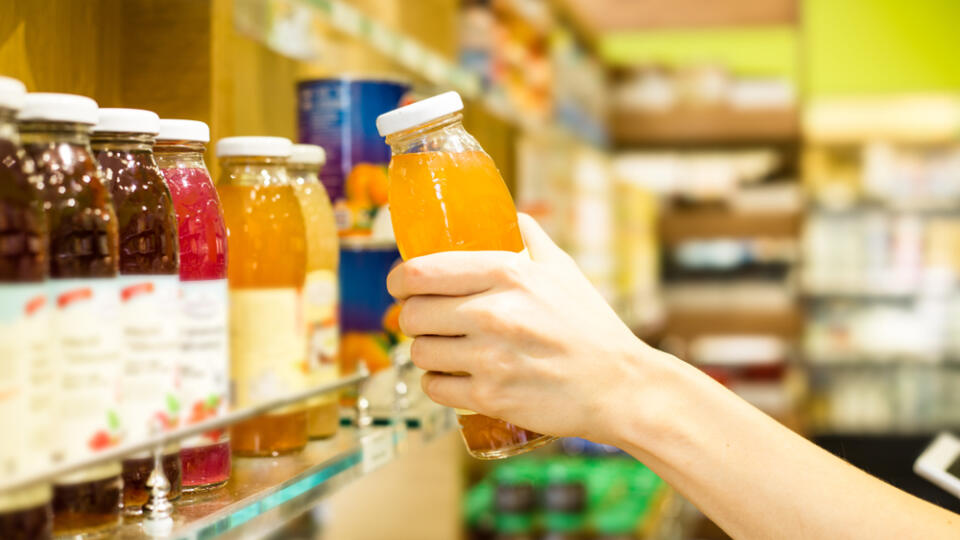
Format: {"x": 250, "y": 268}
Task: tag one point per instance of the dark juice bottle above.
{"x": 149, "y": 288}
{"x": 83, "y": 291}
{"x": 266, "y": 272}
{"x": 26, "y": 381}
{"x": 204, "y": 355}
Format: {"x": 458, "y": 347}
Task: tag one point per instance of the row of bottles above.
{"x": 121, "y": 316}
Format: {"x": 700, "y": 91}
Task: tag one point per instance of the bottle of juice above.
{"x": 320, "y": 294}
{"x": 26, "y": 371}
{"x": 446, "y": 194}
{"x": 83, "y": 290}
{"x": 266, "y": 270}
{"x": 149, "y": 288}
{"x": 204, "y": 360}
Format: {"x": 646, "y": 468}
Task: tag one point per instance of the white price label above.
{"x": 378, "y": 449}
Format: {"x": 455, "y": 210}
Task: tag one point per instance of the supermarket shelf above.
{"x": 716, "y": 125}
{"x": 864, "y": 361}
{"x": 615, "y": 15}
{"x": 264, "y": 493}
{"x": 679, "y": 225}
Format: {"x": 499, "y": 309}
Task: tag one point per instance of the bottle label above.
{"x": 149, "y": 400}
{"x": 204, "y": 356}
{"x": 88, "y": 342}
{"x": 320, "y": 314}
{"x": 26, "y": 379}
{"x": 267, "y": 344}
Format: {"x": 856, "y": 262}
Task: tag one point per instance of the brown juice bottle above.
{"x": 26, "y": 378}
{"x": 83, "y": 256}
{"x": 266, "y": 270}
{"x": 149, "y": 288}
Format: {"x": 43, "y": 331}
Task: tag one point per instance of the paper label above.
{"x": 88, "y": 341}
{"x": 24, "y": 357}
{"x": 378, "y": 450}
{"x": 149, "y": 309}
{"x": 320, "y": 315}
{"x": 267, "y": 352}
{"x": 204, "y": 356}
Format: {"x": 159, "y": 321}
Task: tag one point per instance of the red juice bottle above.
{"x": 83, "y": 290}
{"x": 204, "y": 356}
{"x": 149, "y": 291}
{"x": 26, "y": 372}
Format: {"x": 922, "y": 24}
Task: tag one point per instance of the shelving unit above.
{"x": 714, "y": 125}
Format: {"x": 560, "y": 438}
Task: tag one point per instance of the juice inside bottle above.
{"x": 446, "y": 194}
{"x": 26, "y": 379}
{"x": 204, "y": 357}
{"x": 84, "y": 257}
{"x": 149, "y": 288}
{"x": 320, "y": 293}
{"x": 267, "y": 261}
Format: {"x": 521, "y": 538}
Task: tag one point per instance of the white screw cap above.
{"x": 254, "y": 146}
{"x": 42, "y": 106}
{"x": 12, "y": 93}
{"x": 421, "y": 112}
{"x": 308, "y": 154}
{"x": 183, "y": 130}
{"x": 127, "y": 121}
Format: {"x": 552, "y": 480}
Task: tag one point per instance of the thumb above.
{"x": 539, "y": 244}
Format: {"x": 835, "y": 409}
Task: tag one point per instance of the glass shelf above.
{"x": 264, "y": 493}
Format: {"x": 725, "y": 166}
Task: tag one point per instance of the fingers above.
{"x": 539, "y": 244}
{"x": 450, "y": 273}
{"x": 435, "y": 316}
{"x": 448, "y": 390}
{"x": 445, "y": 354}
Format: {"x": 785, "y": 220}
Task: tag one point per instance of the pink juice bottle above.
{"x": 205, "y": 362}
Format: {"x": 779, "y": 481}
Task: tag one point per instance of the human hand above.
{"x": 526, "y": 340}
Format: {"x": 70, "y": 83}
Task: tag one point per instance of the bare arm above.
{"x": 541, "y": 349}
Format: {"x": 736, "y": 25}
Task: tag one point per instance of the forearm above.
{"x": 752, "y": 476}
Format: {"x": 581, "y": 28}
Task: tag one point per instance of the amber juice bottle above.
{"x": 149, "y": 288}
{"x": 27, "y": 389}
{"x": 83, "y": 255}
{"x": 266, "y": 256}
{"x": 321, "y": 291}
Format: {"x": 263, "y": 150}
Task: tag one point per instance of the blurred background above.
{"x": 769, "y": 190}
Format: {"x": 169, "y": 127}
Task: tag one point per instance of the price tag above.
{"x": 378, "y": 450}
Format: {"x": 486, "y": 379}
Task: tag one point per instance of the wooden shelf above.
{"x": 706, "y": 126}
{"x": 618, "y": 15}
{"x": 676, "y": 226}
{"x": 689, "y": 323}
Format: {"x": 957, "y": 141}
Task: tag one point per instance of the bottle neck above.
{"x": 44, "y": 132}
{"x": 445, "y": 134}
{"x": 247, "y": 170}
{"x": 8, "y": 126}
{"x": 128, "y": 142}
{"x": 180, "y": 154}
{"x": 304, "y": 174}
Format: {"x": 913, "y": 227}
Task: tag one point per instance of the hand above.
{"x": 526, "y": 340}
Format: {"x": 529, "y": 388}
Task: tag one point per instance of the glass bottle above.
{"x": 83, "y": 290}
{"x": 446, "y": 194}
{"x": 320, "y": 296}
{"x": 267, "y": 261}
{"x": 204, "y": 357}
{"x": 26, "y": 371}
{"x": 149, "y": 287}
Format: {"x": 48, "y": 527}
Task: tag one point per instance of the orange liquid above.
{"x": 266, "y": 249}
{"x": 442, "y": 201}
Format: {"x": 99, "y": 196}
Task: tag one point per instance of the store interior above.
{"x": 768, "y": 190}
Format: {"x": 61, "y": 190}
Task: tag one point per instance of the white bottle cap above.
{"x": 254, "y": 146}
{"x": 58, "y": 108}
{"x": 421, "y": 112}
{"x": 183, "y": 130}
{"x": 12, "y": 93}
{"x": 127, "y": 121}
{"x": 308, "y": 154}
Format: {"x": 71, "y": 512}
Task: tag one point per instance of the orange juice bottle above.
{"x": 446, "y": 194}
{"x": 266, "y": 268}
{"x": 321, "y": 292}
